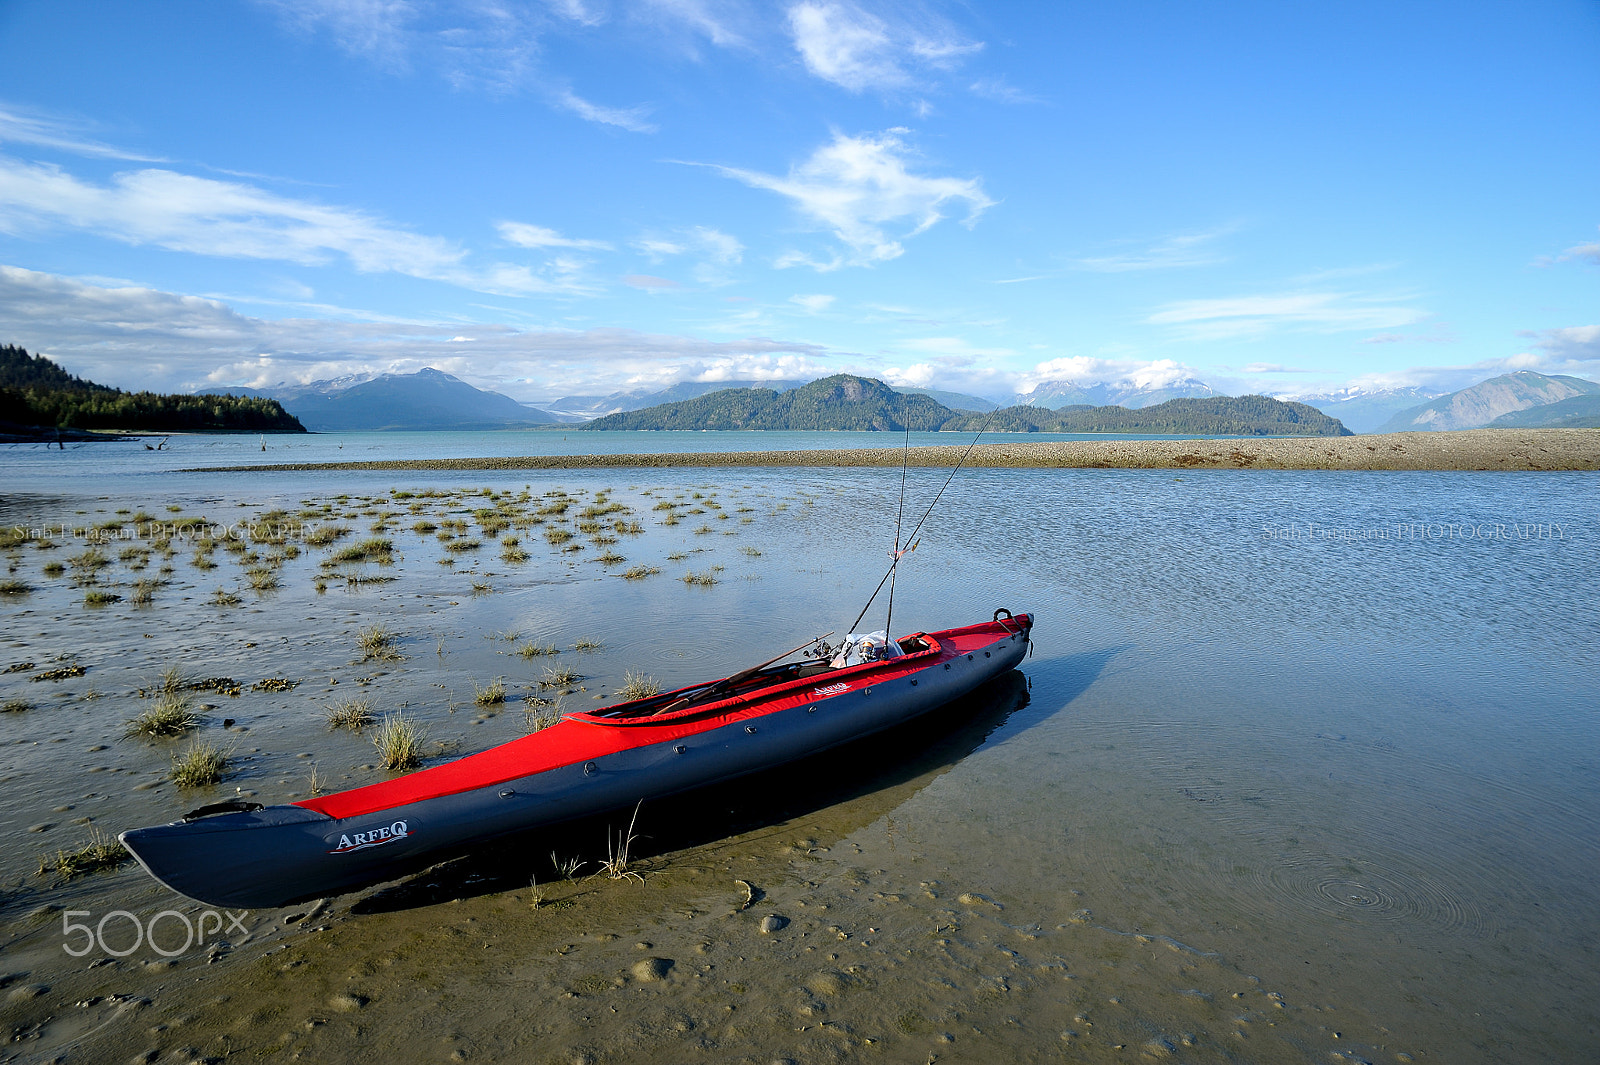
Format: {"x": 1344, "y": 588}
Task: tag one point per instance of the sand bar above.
{"x": 1469, "y": 449}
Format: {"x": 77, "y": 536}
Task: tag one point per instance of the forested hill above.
{"x": 1210, "y": 416}
{"x": 36, "y": 393}
{"x": 845, "y": 402}
{"x": 839, "y": 402}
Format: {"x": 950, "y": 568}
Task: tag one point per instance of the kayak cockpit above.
{"x": 723, "y": 695}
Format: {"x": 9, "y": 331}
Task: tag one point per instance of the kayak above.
{"x": 247, "y": 855}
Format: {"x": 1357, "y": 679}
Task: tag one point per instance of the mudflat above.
{"x": 1467, "y": 449}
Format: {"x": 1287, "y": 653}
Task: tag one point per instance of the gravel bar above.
{"x": 1468, "y": 449}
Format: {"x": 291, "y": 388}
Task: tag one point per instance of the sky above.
{"x": 568, "y": 197}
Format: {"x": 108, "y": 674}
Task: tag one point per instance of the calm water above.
{"x": 100, "y": 465}
{"x": 1329, "y": 735}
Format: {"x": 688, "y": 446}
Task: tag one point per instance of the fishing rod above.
{"x": 905, "y": 459}
{"x": 729, "y": 682}
{"x": 912, "y": 538}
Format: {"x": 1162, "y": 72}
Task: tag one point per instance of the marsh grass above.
{"x": 200, "y": 765}
{"x": 15, "y": 706}
{"x": 610, "y": 558}
{"x": 587, "y": 645}
{"x": 557, "y": 537}
{"x": 100, "y": 597}
{"x": 639, "y": 573}
{"x": 262, "y": 579}
{"x": 54, "y": 569}
{"x": 323, "y": 535}
{"x": 170, "y": 714}
{"x": 144, "y": 591}
{"x": 615, "y": 866}
{"x": 699, "y": 580}
{"x": 559, "y": 677}
{"x": 373, "y": 549}
{"x": 638, "y": 686}
{"x": 101, "y": 852}
{"x": 223, "y": 597}
{"x": 539, "y": 714}
{"x": 399, "y": 742}
{"x": 534, "y": 650}
{"x": 354, "y": 713}
{"x": 15, "y": 587}
{"x": 491, "y": 694}
{"x": 752, "y": 552}
{"x": 378, "y": 643}
{"x": 702, "y": 530}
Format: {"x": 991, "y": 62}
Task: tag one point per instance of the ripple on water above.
{"x": 1364, "y": 889}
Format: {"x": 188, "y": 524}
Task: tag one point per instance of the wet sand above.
{"x": 1468, "y": 449}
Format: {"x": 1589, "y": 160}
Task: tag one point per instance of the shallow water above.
{"x": 1260, "y": 794}
{"x": 106, "y": 466}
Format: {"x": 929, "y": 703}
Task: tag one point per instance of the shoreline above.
{"x": 1465, "y": 449}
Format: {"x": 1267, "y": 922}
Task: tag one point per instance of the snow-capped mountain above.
{"x": 1364, "y": 408}
{"x": 1132, "y": 394}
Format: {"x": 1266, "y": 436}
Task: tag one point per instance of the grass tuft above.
{"x": 100, "y": 597}
{"x": 702, "y": 580}
{"x": 638, "y": 686}
{"x": 199, "y": 766}
{"x": 101, "y": 852}
{"x": 559, "y": 677}
{"x": 16, "y": 706}
{"x": 492, "y": 694}
{"x": 354, "y": 714}
{"x": 639, "y": 573}
{"x": 529, "y": 649}
{"x": 15, "y": 587}
{"x": 399, "y": 742}
{"x": 377, "y": 642}
{"x": 171, "y": 714}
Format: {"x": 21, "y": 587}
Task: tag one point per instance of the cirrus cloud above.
{"x": 864, "y": 191}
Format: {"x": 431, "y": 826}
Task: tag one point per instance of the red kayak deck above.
{"x": 586, "y": 736}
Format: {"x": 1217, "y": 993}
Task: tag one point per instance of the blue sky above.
{"x": 576, "y": 196}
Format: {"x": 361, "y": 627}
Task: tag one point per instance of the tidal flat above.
{"x": 1301, "y": 770}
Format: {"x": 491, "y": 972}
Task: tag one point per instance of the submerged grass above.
{"x": 559, "y": 677}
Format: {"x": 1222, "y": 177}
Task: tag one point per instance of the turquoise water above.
{"x": 1335, "y": 731}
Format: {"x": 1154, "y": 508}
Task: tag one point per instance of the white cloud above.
{"x": 649, "y": 283}
{"x": 701, "y": 18}
{"x": 857, "y": 51}
{"x": 21, "y": 125}
{"x": 481, "y": 45}
{"x": 1586, "y": 253}
{"x": 628, "y": 118}
{"x": 713, "y": 245}
{"x": 816, "y": 304}
{"x": 136, "y": 337}
{"x": 524, "y": 235}
{"x": 1001, "y": 91}
{"x": 234, "y": 220}
{"x": 1253, "y": 315}
{"x": 858, "y": 187}
{"x": 1273, "y": 367}
{"x": 1183, "y": 249}
{"x": 1088, "y": 370}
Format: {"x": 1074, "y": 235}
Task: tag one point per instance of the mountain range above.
{"x": 1484, "y": 403}
{"x": 846, "y": 402}
{"x": 433, "y": 400}
{"x": 426, "y": 400}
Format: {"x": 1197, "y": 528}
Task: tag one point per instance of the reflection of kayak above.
{"x": 241, "y": 854}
